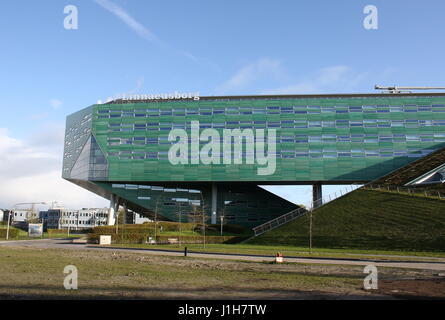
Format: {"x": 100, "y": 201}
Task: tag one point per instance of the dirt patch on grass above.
{"x": 433, "y": 288}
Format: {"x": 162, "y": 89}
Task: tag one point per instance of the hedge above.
{"x": 56, "y": 231}
{"x": 13, "y": 233}
{"x": 120, "y": 238}
{"x": 146, "y": 227}
{"x": 230, "y": 228}
{"x": 168, "y": 226}
{"x": 142, "y": 237}
{"x": 200, "y": 239}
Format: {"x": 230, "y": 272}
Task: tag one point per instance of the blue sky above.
{"x": 214, "y": 47}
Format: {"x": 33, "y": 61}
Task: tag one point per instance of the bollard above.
{"x": 185, "y": 251}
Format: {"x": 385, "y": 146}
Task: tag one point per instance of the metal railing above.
{"x": 303, "y": 210}
{"x": 434, "y": 159}
{"x": 431, "y": 194}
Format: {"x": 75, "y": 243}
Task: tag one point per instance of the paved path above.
{"x": 66, "y": 244}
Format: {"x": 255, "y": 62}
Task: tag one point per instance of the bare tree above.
{"x": 204, "y": 217}
{"x": 198, "y": 216}
{"x": 179, "y": 214}
{"x": 193, "y": 216}
{"x": 157, "y": 208}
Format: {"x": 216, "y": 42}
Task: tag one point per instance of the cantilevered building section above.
{"x": 122, "y": 151}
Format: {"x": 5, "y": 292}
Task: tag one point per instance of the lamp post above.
{"x": 222, "y": 222}
{"x": 203, "y": 218}
{"x": 7, "y": 228}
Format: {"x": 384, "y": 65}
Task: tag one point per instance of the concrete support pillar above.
{"x": 112, "y": 213}
{"x": 214, "y": 203}
{"x": 317, "y": 195}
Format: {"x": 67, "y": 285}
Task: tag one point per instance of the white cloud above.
{"x": 139, "y": 28}
{"x": 55, "y": 103}
{"x": 129, "y": 20}
{"x": 48, "y": 187}
{"x": 252, "y": 73}
{"x": 139, "y": 85}
{"x": 334, "y": 79}
{"x": 31, "y": 171}
{"x": 269, "y": 76}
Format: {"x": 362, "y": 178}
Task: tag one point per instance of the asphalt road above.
{"x": 436, "y": 265}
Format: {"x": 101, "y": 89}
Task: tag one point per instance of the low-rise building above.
{"x": 74, "y": 219}
{"x": 21, "y": 215}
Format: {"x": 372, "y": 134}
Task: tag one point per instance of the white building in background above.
{"x": 21, "y": 215}
{"x": 74, "y": 219}
{"x": 136, "y": 218}
{"x": 2, "y": 215}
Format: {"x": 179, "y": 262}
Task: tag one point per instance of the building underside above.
{"x": 238, "y": 203}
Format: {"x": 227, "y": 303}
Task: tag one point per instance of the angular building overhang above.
{"x": 320, "y": 139}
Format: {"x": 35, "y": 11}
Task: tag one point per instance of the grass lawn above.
{"x": 370, "y": 220}
{"x": 38, "y": 274}
{"x": 290, "y": 251}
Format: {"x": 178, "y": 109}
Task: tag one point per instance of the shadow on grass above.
{"x": 203, "y": 293}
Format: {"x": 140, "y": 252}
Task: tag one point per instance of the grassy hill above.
{"x": 368, "y": 219}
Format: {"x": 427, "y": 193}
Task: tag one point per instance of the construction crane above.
{"x": 396, "y": 89}
{"x": 32, "y": 204}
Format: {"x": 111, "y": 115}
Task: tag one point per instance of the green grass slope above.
{"x": 366, "y": 219}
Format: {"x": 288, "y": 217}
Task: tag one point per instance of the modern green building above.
{"x": 154, "y": 155}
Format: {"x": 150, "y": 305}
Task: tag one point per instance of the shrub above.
{"x": 13, "y": 233}
{"x": 142, "y": 235}
{"x": 200, "y": 239}
{"x": 146, "y": 227}
{"x": 123, "y": 237}
{"x": 229, "y": 228}
{"x": 56, "y": 231}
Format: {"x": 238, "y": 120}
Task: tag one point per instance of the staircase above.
{"x": 299, "y": 212}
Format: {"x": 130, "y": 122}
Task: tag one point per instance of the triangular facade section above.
{"x": 81, "y": 167}
{"x": 91, "y": 164}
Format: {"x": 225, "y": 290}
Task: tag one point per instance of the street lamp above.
{"x": 7, "y": 228}
{"x": 222, "y": 223}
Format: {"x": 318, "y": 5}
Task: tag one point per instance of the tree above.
{"x": 204, "y": 217}
{"x": 157, "y": 208}
{"x": 199, "y": 216}
{"x": 179, "y": 214}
